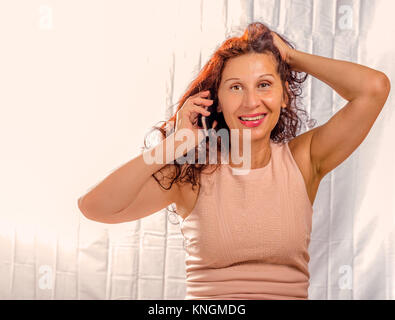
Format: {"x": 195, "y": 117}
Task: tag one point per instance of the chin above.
{"x": 255, "y": 134}
{"x": 256, "y": 137}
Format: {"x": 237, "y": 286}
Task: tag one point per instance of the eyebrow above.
{"x": 265, "y": 74}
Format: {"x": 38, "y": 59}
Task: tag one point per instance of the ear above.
{"x": 285, "y": 96}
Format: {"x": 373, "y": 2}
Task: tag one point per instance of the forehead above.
{"x": 251, "y": 64}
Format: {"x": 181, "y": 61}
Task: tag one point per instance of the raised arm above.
{"x": 365, "y": 89}
{"x": 130, "y": 192}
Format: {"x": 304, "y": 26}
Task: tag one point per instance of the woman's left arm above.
{"x": 366, "y": 91}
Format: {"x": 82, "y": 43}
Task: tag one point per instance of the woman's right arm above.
{"x": 130, "y": 192}
{"x": 131, "y": 189}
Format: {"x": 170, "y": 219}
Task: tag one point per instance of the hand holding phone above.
{"x": 189, "y": 116}
{"x": 210, "y": 121}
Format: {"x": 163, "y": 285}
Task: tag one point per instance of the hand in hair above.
{"x": 285, "y": 50}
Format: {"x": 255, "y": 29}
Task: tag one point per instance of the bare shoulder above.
{"x": 300, "y": 149}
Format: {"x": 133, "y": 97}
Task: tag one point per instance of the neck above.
{"x": 260, "y": 155}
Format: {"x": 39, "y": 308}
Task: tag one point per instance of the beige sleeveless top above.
{"x": 248, "y": 235}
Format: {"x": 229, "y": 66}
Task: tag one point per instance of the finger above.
{"x": 204, "y": 101}
{"x": 204, "y": 93}
{"x": 215, "y": 124}
{"x": 201, "y": 110}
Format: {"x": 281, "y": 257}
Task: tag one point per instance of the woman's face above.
{"x": 250, "y": 85}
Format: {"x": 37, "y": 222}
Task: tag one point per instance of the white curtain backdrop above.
{"x": 83, "y": 81}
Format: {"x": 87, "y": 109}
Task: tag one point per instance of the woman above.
{"x": 247, "y": 235}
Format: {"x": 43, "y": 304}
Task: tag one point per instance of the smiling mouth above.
{"x": 254, "y": 122}
{"x": 261, "y": 116}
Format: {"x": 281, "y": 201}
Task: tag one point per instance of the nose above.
{"x": 251, "y": 100}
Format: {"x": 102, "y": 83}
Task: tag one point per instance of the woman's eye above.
{"x": 267, "y": 84}
{"x": 236, "y": 85}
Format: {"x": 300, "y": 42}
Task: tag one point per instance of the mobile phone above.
{"x": 207, "y": 122}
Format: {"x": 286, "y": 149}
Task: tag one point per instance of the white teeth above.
{"x": 253, "y": 118}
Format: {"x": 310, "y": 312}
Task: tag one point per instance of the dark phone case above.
{"x": 210, "y": 119}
